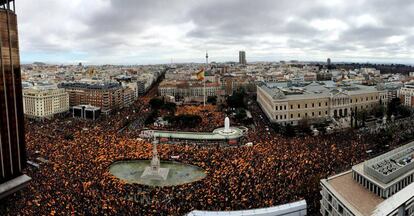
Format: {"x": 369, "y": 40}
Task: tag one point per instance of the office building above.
{"x": 286, "y": 104}
{"x": 189, "y": 89}
{"x": 406, "y": 94}
{"x": 380, "y": 186}
{"x": 12, "y": 139}
{"x": 86, "y": 112}
{"x": 40, "y": 103}
{"x": 242, "y": 57}
{"x": 107, "y": 96}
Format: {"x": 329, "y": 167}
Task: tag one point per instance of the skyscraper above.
{"x": 12, "y": 143}
{"x": 328, "y": 61}
{"x": 242, "y": 57}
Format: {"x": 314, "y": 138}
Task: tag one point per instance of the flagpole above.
{"x": 205, "y": 78}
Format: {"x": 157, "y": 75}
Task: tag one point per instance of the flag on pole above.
{"x": 200, "y": 75}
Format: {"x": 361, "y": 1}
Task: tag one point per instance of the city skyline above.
{"x": 147, "y": 32}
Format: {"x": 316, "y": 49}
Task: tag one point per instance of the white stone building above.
{"x": 380, "y": 186}
{"x": 289, "y": 104}
{"x": 45, "y": 102}
{"x": 406, "y": 94}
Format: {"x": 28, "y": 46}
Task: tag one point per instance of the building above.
{"x": 328, "y": 62}
{"x": 291, "y": 209}
{"x": 242, "y": 57}
{"x": 42, "y": 103}
{"x": 286, "y": 104}
{"x": 188, "y": 89}
{"x": 380, "y": 186}
{"x": 406, "y": 94}
{"x": 86, "y": 112}
{"x": 12, "y": 139}
{"x": 107, "y": 96}
{"x": 129, "y": 96}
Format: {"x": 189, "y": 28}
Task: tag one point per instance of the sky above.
{"x": 179, "y": 31}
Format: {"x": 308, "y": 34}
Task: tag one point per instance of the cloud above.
{"x": 154, "y": 31}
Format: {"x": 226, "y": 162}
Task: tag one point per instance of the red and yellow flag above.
{"x": 200, "y": 74}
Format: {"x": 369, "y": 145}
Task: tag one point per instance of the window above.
{"x": 285, "y": 107}
{"x": 281, "y": 108}
{"x": 277, "y": 107}
{"x": 291, "y": 106}
{"x": 340, "y": 209}
{"x": 313, "y": 114}
{"x": 291, "y": 115}
{"x": 313, "y": 105}
{"x": 298, "y": 106}
{"x": 298, "y": 115}
{"x": 320, "y": 113}
{"x": 326, "y": 103}
{"x": 306, "y": 105}
{"x": 319, "y": 104}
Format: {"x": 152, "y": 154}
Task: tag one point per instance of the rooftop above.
{"x": 391, "y": 165}
{"x": 356, "y": 195}
{"x": 84, "y": 85}
{"x": 316, "y": 89}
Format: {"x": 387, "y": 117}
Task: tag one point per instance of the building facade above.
{"x": 107, "y": 96}
{"x": 188, "y": 89}
{"x": 289, "y": 105}
{"x": 380, "y": 186}
{"x": 12, "y": 139}
{"x": 242, "y": 57}
{"x": 406, "y": 94}
{"x": 45, "y": 103}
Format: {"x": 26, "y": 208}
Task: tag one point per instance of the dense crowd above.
{"x": 276, "y": 170}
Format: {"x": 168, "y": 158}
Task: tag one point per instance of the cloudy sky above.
{"x": 158, "y": 31}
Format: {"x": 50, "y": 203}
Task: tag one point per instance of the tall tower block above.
{"x": 12, "y": 139}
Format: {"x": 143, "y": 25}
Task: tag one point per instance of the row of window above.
{"x": 313, "y": 114}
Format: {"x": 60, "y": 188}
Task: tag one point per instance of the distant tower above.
{"x": 206, "y": 60}
{"x": 12, "y": 140}
{"x": 329, "y": 62}
{"x": 242, "y": 57}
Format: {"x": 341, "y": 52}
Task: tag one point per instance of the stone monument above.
{"x": 154, "y": 171}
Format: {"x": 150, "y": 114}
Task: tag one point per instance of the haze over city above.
{"x": 150, "y": 32}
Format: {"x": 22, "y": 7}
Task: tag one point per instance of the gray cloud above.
{"x": 153, "y": 31}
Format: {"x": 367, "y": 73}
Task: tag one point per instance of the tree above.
{"x": 393, "y": 106}
{"x": 212, "y": 99}
{"x": 304, "y": 126}
{"x": 378, "y": 111}
{"x": 362, "y": 117}
{"x": 237, "y": 99}
{"x": 290, "y": 131}
{"x": 156, "y": 103}
{"x": 171, "y": 107}
{"x": 152, "y": 117}
{"x": 240, "y": 114}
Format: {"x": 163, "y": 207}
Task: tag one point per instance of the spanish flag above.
{"x": 200, "y": 75}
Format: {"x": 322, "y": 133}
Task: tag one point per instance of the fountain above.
{"x": 151, "y": 173}
{"x": 154, "y": 171}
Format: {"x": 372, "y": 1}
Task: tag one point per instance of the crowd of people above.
{"x": 211, "y": 118}
{"x": 275, "y": 170}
